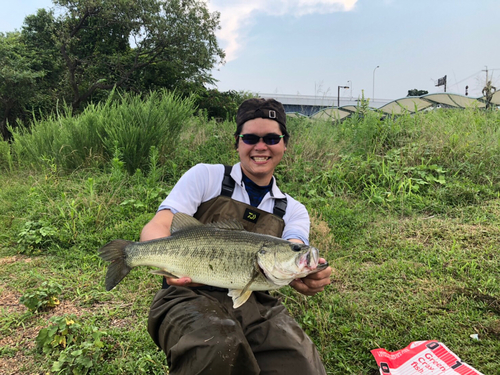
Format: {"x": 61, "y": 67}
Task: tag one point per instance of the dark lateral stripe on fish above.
{"x": 219, "y": 254}
{"x": 114, "y": 252}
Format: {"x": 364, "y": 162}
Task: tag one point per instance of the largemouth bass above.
{"x": 220, "y": 254}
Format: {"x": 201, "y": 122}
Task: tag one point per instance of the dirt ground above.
{"x": 22, "y": 338}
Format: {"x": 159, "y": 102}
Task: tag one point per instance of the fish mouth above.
{"x": 313, "y": 257}
{"x": 303, "y": 264}
{"x": 313, "y": 264}
{"x": 310, "y": 259}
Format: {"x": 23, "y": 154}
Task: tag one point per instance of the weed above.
{"x": 6, "y": 161}
{"x": 131, "y": 124}
{"x": 35, "y": 235}
{"x": 44, "y": 297}
{"x": 77, "y": 349}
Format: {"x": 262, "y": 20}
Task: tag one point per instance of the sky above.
{"x": 381, "y": 48}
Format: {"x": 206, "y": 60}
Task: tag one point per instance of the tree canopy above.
{"x": 417, "y": 92}
{"x": 84, "y": 48}
{"x": 18, "y": 76}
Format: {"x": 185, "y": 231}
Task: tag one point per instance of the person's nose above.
{"x": 261, "y": 145}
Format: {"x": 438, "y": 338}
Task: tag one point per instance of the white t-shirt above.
{"x": 203, "y": 182}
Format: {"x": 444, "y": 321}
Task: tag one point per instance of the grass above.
{"x": 405, "y": 209}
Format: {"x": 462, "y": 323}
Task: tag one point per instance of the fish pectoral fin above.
{"x": 239, "y": 296}
{"x": 163, "y": 273}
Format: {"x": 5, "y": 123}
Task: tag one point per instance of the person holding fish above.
{"x": 201, "y": 328}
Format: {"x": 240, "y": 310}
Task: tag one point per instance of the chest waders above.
{"x": 253, "y": 219}
{"x": 202, "y": 334}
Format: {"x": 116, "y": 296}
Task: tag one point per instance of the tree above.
{"x": 105, "y": 44}
{"x": 220, "y": 105}
{"x": 18, "y": 77}
{"x": 416, "y": 92}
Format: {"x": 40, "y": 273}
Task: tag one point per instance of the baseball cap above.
{"x": 261, "y": 108}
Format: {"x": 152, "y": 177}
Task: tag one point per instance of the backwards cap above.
{"x": 260, "y": 108}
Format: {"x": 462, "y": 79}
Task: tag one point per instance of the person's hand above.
{"x": 183, "y": 281}
{"x": 313, "y": 283}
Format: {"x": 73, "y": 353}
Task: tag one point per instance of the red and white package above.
{"x": 421, "y": 357}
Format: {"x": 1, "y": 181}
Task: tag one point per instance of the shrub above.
{"x": 131, "y": 123}
{"x": 76, "y": 349}
{"x": 43, "y": 297}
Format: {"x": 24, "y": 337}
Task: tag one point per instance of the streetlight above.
{"x": 349, "y": 83}
{"x": 373, "y": 92}
{"x": 338, "y": 94}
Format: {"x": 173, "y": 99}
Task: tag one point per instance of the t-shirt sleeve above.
{"x": 199, "y": 184}
{"x": 297, "y": 221}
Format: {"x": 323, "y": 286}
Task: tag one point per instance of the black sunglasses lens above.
{"x": 269, "y": 139}
{"x": 250, "y": 139}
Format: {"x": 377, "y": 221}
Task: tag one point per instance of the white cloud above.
{"x": 236, "y": 16}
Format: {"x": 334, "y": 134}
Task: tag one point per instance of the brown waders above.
{"x": 201, "y": 333}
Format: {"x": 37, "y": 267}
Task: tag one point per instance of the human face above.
{"x": 258, "y": 161}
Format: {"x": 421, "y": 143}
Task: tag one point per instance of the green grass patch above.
{"x": 405, "y": 209}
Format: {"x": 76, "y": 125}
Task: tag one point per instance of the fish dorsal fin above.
{"x": 229, "y": 224}
{"x": 183, "y": 221}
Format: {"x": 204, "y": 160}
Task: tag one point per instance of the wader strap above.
{"x": 228, "y": 188}
{"x": 280, "y": 207}
{"x": 227, "y": 182}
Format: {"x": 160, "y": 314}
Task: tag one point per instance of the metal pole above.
{"x": 373, "y": 92}
{"x": 338, "y": 94}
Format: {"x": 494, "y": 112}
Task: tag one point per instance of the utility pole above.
{"x": 488, "y": 90}
{"x": 486, "y": 70}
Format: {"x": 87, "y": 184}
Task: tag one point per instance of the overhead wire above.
{"x": 472, "y": 75}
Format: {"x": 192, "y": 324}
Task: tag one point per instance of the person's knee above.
{"x": 220, "y": 354}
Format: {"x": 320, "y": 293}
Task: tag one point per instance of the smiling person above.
{"x": 196, "y": 325}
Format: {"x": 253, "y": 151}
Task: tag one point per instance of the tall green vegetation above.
{"x": 83, "y": 49}
{"x": 406, "y": 210}
{"x": 127, "y": 124}
{"x": 421, "y": 162}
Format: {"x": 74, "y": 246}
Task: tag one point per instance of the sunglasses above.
{"x": 269, "y": 139}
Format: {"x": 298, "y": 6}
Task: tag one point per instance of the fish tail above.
{"x": 114, "y": 252}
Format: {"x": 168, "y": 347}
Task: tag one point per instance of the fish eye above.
{"x": 296, "y": 247}
{"x": 262, "y": 251}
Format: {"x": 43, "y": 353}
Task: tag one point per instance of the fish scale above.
{"x": 210, "y": 264}
{"x": 218, "y": 254}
